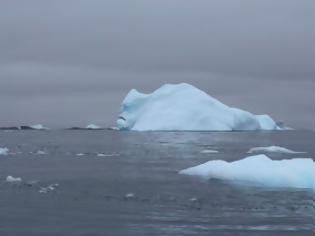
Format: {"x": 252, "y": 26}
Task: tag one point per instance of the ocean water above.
{"x": 85, "y": 182}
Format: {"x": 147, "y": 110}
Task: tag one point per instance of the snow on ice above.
{"x": 184, "y": 107}
{"x": 260, "y": 170}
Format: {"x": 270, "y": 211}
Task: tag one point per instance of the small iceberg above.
{"x": 273, "y": 149}
{"x": 260, "y": 170}
{"x": 206, "y": 151}
{"x": 183, "y": 107}
{"x": 4, "y": 151}
{"x": 11, "y": 179}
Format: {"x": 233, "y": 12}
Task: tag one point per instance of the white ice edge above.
{"x": 273, "y": 149}
{"x": 11, "y": 179}
{"x": 208, "y": 151}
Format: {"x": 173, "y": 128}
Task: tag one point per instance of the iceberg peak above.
{"x": 185, "y": 107}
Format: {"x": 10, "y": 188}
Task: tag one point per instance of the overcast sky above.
{"x": 66, "y": 63}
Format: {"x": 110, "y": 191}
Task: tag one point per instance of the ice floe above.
{"x": 101, "y": 155}
{"x": 48, "y": 189}
{"x": 273, "y": 149}
{"x": 208, "y": 151}
{"x": 11, "y": 179}
{"x": 129, "y": 196}
{"x": 40, "y": 152}
{"x": 4, "y": 151}
{"x": 260, "y": 170}
{"x": 80, "y": 154}
{"x": 38, "y": 127}
{"x": 184, "y": 107}
{"x": 107, "y": 155}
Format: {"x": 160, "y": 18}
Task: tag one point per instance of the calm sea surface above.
{"x": 82, "y": 182}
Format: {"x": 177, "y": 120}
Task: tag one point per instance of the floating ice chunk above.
{"x": 130, "y": 196}
{"x": 193, "y": 199}
{"x": 107, "y": 155}
{"x": 260, "y": 170}
{"x": 40, "y": 152}
{"x": 39, "y": 127}
{"x": 101, "y": 155}
{"x": 80, "y": 154}
{"x": 92, "y": 126}
{"x": 208, "y": 151}
{"x": 274, "y": 149}
{"x": 12, "y": 179}
{"x": 184, "y": 107}
{"x": 49, "y": 188}
{"x": 4, "y": 151}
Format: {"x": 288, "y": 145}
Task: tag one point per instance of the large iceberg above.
{"x": 184, "y": 107}
{"x": 260, "y": 170}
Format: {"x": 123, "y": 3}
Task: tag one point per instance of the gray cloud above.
{"x": 71, "y": 62}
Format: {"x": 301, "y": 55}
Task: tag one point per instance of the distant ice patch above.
{"x": 4, "y": 151}
{"x": 260, "y": 170}
{"x": 101, "y": 155}
{"x": 93, "y": 126}
{"x": 113, "y": 128}
{"x": 273, "y": 149}
{"x": 80, "y": 154}
{"x": 11, "y": 179}
{"x": 184, "y": 107}
{"x": 208, "y": 151}
{"x": 39, "y": 127}
{"x": 49, "y": 188}
{"x": 107, "y": 155}
{"x": 40, "y": 152}
{"x": 130, "y": 196}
